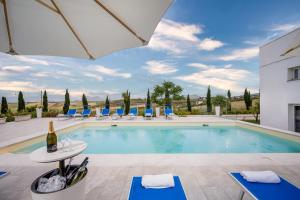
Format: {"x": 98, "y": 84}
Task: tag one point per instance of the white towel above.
{"x": 261, "y": 176}
{"x": 158, "y": 181}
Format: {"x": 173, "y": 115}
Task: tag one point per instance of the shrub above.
{"x": 50, "y": 113}
{"x": 31, "y": 108}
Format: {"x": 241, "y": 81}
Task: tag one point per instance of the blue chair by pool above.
{"x": 70, "y": 114}
{"x": 104, "y": 113}
{"x": 148, "y": 113}
{"x": 169, "y": 113}
{"x": 133, "y": 112}
{"x": 3, "y": 173}
{"x": 138, "y": 192}
{"x": 86, "y": 112}
{"x": 120, "y": 112}
{"x": 267, "y": 191}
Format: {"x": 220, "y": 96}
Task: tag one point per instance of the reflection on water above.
{"x": 175, "y": 140}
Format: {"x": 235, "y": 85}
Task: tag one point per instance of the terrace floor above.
{"x": 204, "y": 176}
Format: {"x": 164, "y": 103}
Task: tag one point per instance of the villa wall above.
{"x": 278, "y": 94}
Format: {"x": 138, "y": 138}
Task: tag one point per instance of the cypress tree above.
{"x": 229, "y": 100}
{"x": 45, "y": 102}
{"x": 85, "y": 103}
{"x": 107, "y": 103}
{"x": 21, "y": 102}
{"x": 148, "y": 102}
{"x": 247, "y": 99}
{"x": 188, "y": 103}
{"x": 208, "y": 100}
{"x": 67, "y": 102}
{"x": 4, "y": 106}
{"x": 126, "y": 100}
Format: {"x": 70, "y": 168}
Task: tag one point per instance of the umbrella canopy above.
{"x": 77, "y": 28}
{"x": 294, "y": 47}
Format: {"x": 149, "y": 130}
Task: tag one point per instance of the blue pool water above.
{"x": 176, "y": 139}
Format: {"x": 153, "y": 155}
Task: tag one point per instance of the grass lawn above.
{"x": 252, "y": 121}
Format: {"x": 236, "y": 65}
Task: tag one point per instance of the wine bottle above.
{"x": 51, "y": 139}
{"x": 76, "y": 171}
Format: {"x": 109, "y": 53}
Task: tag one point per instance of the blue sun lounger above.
{"x": 133, "y": 112}
{"x": 3, "y": 173}
{"x": 120, "y": 112}
{"x": 86, "y": 113}
{"x": 138, "y": 192}
{"x": 148, "y": 113}
{"x": 71, "y": 113}
{"x": 267, "y": 191}
{"x": 169, "y": 113}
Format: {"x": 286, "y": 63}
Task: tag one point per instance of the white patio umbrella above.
{"x": 294, "y": 47}
{"x": 77, "y": 28}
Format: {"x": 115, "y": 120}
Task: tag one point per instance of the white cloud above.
{"x": 94, "y": 76}
{"x": 37, "y": 61}
{"x": 177, "y": 30}
{"x": 240, "y": 54}
{"x": 16, "y": 68}
{"x": 222, "y": 78}
{"x": 160, "y": 44}
{"x": 199, "y": 65}
{"x": 209, "y": 44}
{"x": 56, "y": 74}
{"x": 109, "y": 71}
{"x": 284, "y": 28}
{"x": 159, "y": 67}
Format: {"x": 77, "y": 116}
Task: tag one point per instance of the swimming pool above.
{"x": 174, "y": 139}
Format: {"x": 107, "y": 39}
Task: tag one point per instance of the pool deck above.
{"x": 204, "y": 176}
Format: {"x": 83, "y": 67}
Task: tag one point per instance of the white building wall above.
{"x": 278, "y": 95}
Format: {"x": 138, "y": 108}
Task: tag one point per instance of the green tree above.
{"x": 208, "y": 100}
{"x": 67, "y": 102}
{"x": 247, "y": 99}
{"x": 85, "y": 103}
{"x": 45, "y": 102}
{"x": 4, "y": 106}
{"x": 126, "y": 99}
{"x": 229, "y": 100}
{"x": 173, "y": 91}
{"x": 188, "y": 103}
{"x": 107, "y": 103}
{"x": 148, "y": 102}
{"x": 167, "y": 100}
{"x": 256, "y": 111}
{"x": 21, "y": 102}
{"x": 219, "y": 100}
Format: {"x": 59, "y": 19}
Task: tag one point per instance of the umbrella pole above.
{"x": 11, "y": 49}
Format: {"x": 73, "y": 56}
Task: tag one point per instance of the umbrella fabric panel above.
{"x": 79, "y": 28}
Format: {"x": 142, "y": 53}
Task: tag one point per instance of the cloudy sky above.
{"x": 197, "y": 43}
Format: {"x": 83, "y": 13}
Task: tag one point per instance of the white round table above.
{"x": 63, "y": 152}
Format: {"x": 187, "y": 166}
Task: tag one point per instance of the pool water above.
{"x": 176, "y": 139}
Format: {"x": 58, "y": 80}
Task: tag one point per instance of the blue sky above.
{"x": 197, "y": 43}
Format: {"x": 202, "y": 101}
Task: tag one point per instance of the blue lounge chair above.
{"x": 71, "y": 113}
{"x": 104, "y": 112}
{"x": 133, "y": 112}
{"x": 267, "y": 191}
{"x": 138, "y": 192}
{"x": 148, "y": 113}
{"x": 86, "y": 113}
{"x": 169, "y": 113}
{"x": 3, "y": 173}
{"x": 120, "y": 112}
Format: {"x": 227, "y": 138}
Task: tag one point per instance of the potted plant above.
{"x": 39, "y": 112}
{"x": 2, "y": 119}
{"x": 22, "y": 116}
{"x": 219, "y": 102}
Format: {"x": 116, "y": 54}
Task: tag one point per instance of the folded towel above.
{"x": 261, "y": 176}
{"x": 158, "y": 181}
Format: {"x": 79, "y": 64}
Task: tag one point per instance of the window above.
{"x": 294, "y": 73}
